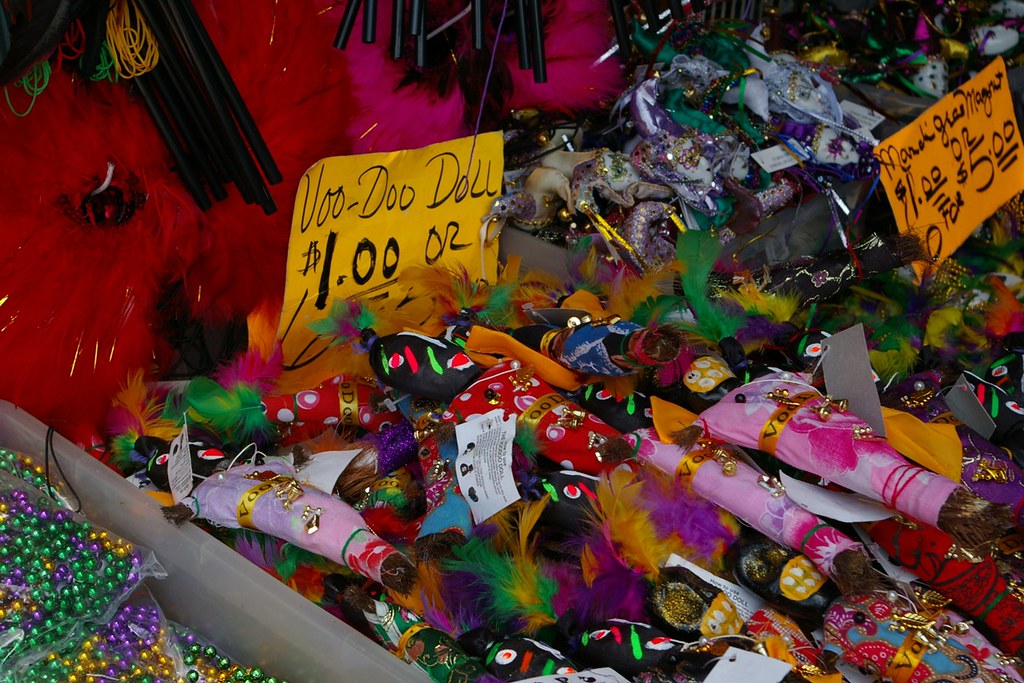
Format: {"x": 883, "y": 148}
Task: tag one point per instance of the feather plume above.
{"x": 453, "y": 290}
{"x": 626, "y": 524}
{"x": 251, "y": 368}
{"x": 136, "y": 411}
{"x": 345, "y": 322}
{"x": 705, "y": 529}
{"x": 776, "y": 307}
{"x": 697, "y": 252}
{"x": 514, "y": 592}
{"x": 629, "y": 293}
{"x": 1005, "y": 313}
{"x": 234, "y": 417}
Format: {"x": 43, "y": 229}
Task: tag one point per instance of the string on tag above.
{"x": 50, "y": 452}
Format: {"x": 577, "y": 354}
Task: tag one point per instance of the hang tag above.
{"x": 557, "y": 317}
{"x": 746, "y": 602}
{"x": 966, "y": 407}
{"x": 776, "y": 250}
{"x": 867, "y": 118}
{"x": 775, "y": 158}
{"x": 179, "y": 465}
{"x": 324, "y": 468}
{"x": 892, "y": 570}
{"x": 749, "y": 667}
{"x": 842, "y": 507}
{"x": 848, "y": 375}
{"x": 602, "y": 675}
{"x": 484, "y": 464}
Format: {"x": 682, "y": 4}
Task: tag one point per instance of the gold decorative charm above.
{"x": 863, "y": 432}
{"x": 772, "y": 485}
{"x": 493, "y": 397}
{"x": 825, "y": 409}
{"x": 919, "y": 398}
{"x": 781, "y": 396}
{"x": 991, "y": 471}
{"x": 288, "y": 490}
{"x": 522, "y": 378}
{"x": 572, "y": 418}
{"x": 311, "y": 516}
{"x": 956, "y": 552}
{"x": 724, "y": 458}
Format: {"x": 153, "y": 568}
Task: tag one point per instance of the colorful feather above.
{"x": 346, "y": 321}
{"x": 1005, "y": 314}
{"x": 697, "y": 253}
{"x": 234, "y": 416}
{"x": 455, "y": 292}
{"x": 136, "y": 412}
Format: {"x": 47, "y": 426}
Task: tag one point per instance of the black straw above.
{"x": 416, "y": 21}
{"x": 397, "y": 28}
{"x": 348, "y": 22}
{"x": 522, "y": 35}
{"x": 676, "y": 7}
{"x": 370, "y": 21}
{"x": 479, "y": 7}
{"x": 540, "y": 67}
{"x": 621, "y": 27}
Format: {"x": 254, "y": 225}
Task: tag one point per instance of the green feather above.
{"x": 698, "y": 252}
{"x": 529, "y": 444}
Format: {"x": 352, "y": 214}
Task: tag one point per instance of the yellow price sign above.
{"x": 360, "y": 220}
{"x": 956, "y": 164}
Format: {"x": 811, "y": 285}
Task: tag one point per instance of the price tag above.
{"x": 775, "y": 158}
{"x": 843, "y": 507}
{"x": 360, "y": 220}
{"x": 179, "y": 465}
{"x": 740, "y": 665}
{"x": 956, "y": 164}
{"x": 484, "y": 464}
{"x": 867, "y": 118}
{"x": 848, "y": 374}
{"x": 746, "y": 602}
{"x": 966, "y": 407}
{"x": 324, "y": 468}
{"x": 603, "y": 675}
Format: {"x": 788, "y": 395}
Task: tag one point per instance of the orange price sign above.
{"x": 956, "y": 164}
{"x": 360, "y": 220}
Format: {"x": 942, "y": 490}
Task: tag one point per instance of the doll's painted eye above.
{"x": 572, "y": 491}
{"x": 211, "y": 454}
{"x": 813, "y": 350}
{"x": 600, "y": 634}
{"x": 162, "y": 459}
{"x": 396, "y": 361}
{"x": 565, "y": 670}
{"x": 659, "y": 643}
{"x": 1015, "y": 407}
{"x": 459, "y": 361}
{"x": 505, "y": 657}
{"x": 1000, "y": 371}
{"x": 307, "y": 399}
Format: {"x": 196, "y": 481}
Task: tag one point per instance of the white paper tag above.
{"x": 746, "y": 602}
{"x": 892, "y": 570}
{"x": 966, "y": 407}
{"x": 484, "y": 464}
{"x": 867, "y": 118}
{"x": 844, "y": 507}
{"x": 776, "y": 250}
{"x": 324, "y": 468}
{"x": 848, "y": 374}
{"x": 179, "y": 465}
{"x": 739, "y": 665}
{"x": 852, "y": 674}
{"x": 603, "y": 675}
{"x": 774, "y": 158}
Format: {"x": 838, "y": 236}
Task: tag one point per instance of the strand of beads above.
{"x": 205, "y": 664}
{"x": 24, "y": 468}
{"x": 55, "y": 574}
{"x": 132, "y": 648}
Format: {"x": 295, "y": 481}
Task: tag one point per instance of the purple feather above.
{"x": 699, "y": 523}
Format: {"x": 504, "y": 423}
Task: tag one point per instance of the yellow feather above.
{"x": 529, "y": 515}
{"x": 136, "y": 398}
{"x": 626, "y": 296}
{"x": 778, "y": 308}
{"x": 629, "y": 525}
{"x": 588, "y": 563}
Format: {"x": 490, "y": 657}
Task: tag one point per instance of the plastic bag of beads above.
{"x": 134, "y": 646}
{"x": 36, "y": 472}
{"x": 202, "y": 662}
{"x": 58, "y": 573}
